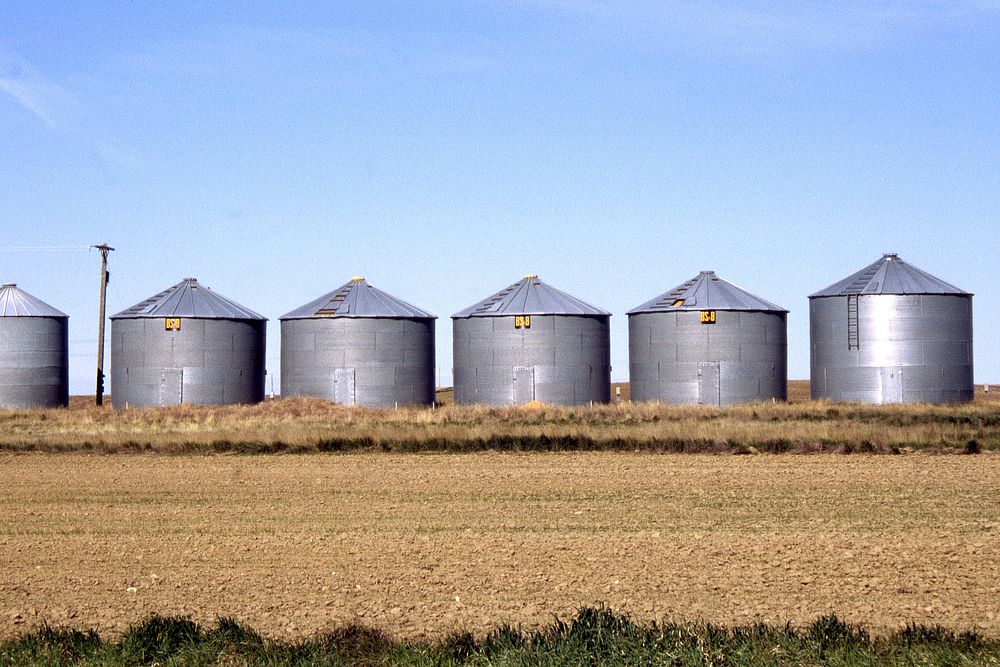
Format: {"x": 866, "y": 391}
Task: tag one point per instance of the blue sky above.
{"x": 443, "y": 149}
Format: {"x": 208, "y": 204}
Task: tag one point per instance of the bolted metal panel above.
{"x": 187, "y": 344}
{"x": 208, "y": 361}
{"x": 891, "y": 379}
{"x": 34, "y": 362}
{"x": 524, "y": 384}
{"x": 910, "y": 348}
{"x": 343, "y": 386}
{"x": 391, "y": 359}
{"x": 34, "y": 352}
{"x": 171, "y": 386}
{"x": 709, "y": 385}
{"x": 531, "y": 341}
{"x": 677, "y": 358}
{"x": 891, "y": 333}
{"x": 567, "y": 359}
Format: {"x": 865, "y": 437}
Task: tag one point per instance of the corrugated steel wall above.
{"x": 374, "y": 362}
{"x": 207, "y": 361}
{"x": 560, "y": 359}
{"x": 675, "y": 358}
{"x": 34, "y": 362}
{"x": 909, "y": 348}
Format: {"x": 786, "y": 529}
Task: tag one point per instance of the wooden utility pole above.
{"x": 105, "y": 249}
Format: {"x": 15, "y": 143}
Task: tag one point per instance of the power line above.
{"x": 39, "y": 248}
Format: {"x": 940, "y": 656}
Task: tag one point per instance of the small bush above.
{"x": 158, "y": 637}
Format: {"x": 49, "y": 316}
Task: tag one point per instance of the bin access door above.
{"x": 892, "y": 384}
{"x": 524, "y": 384}
{"x": 708, "y": 383}
{"x": 343, "y": 386}
{"x": 171, "y": 383}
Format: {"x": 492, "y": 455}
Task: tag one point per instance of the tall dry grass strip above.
{"x": 311, "y": 425}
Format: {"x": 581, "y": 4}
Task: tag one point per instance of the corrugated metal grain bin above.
{"x": 532, "y": 342}
{"x": 34, "y": 352}
{"x": 891, "y": 333}
{"x": 709, "y": 342}
{"x": 187, "y": 344}
{"x": 358, "y": 345}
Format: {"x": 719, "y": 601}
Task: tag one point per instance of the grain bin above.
{"x": 187, "y": 344}
{"x": 34, "y": 352}
{"x": 891, "y": 333}
{"x": 532, "y": 342}
{"x": 358, "y": 345}
{"x": 709, "y": 342}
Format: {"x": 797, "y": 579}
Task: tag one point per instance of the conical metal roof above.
{"x": 15, "y": 302}
{"x": 889, "y": 275}
{"x": 530, "y": 296}
{"x": 706, "y": 291}
{"x": 189, "y": 298}
{"x": 357, "y": 299}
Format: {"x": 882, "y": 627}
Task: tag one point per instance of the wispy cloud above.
{"x": 767, "y": 26}
{"x": 50, "y": 102}
{"x": 243, "y": 50}
{"x": 59, "y": 109}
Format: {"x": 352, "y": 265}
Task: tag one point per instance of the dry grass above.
{"x": 312, "y": 425}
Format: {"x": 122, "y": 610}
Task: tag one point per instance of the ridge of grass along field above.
{"x": 312, "y": 425}
{"x": 594, "y": 636}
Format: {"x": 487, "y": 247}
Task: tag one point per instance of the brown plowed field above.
{"x": 424, "y": 544}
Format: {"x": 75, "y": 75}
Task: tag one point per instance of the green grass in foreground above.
{"x": 594, "y": 637}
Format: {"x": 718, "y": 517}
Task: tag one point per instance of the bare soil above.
{"x": 420, "y": 545}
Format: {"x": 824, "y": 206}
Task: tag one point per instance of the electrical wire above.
{"x": 67, "y": 248}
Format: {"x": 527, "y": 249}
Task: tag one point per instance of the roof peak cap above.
{"x": 357, "y": 279}
{"x": 530, "y": 276}
{"x": 10, "y": 284}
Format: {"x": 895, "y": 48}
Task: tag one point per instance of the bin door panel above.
{"x": 708, "y": 383}
{"x": 524, "y": 384}
{"x": 343, "y": 386}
